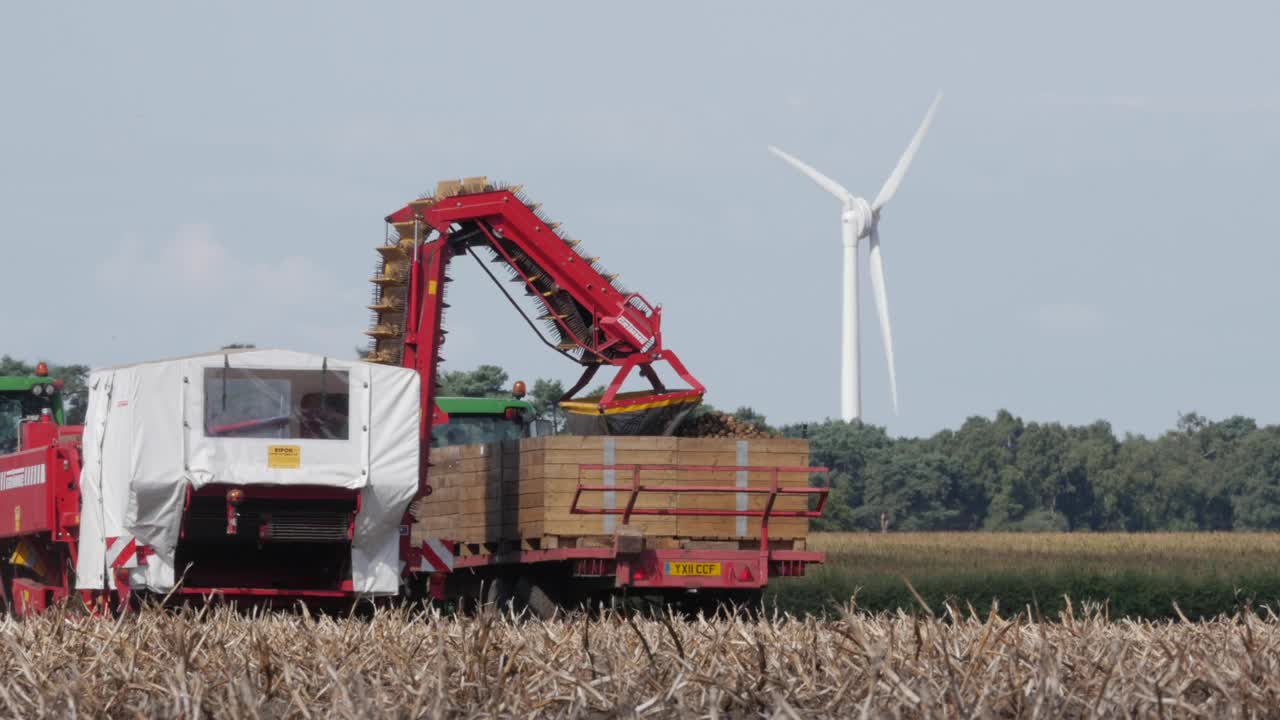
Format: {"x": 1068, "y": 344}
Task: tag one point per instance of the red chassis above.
{"x": 40, "y": 515}
{"x": 257, "y": 543}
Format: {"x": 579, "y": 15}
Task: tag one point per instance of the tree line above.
{"x": 1003, "y": 473}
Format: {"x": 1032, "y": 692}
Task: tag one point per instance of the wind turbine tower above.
{"x": 861, "y": 220}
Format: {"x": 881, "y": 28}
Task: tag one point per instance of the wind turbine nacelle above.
{"x": 860, "y": 216}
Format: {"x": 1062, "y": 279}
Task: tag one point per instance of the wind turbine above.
{"x": 860, "y": 219}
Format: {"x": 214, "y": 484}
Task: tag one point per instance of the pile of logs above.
{"x": 716, "y": 424}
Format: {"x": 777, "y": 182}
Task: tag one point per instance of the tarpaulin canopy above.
{"x": 244, "y": 417}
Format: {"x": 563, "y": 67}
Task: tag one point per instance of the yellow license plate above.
{"x": 693, "y": 569}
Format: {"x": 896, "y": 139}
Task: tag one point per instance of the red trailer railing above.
{"x": 636, "y": 488}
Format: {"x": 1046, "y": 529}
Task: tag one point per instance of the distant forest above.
{"x": 1003, "y": 473}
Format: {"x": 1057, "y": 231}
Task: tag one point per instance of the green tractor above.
{"x": 25, "y": 399}
{"x": 476, "y": 421}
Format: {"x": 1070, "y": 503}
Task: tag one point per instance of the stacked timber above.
{"x": 523, "y": 491}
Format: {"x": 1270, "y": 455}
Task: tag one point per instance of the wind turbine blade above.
{"x": 895, "y": 178}
{"x": 823, "y": 181}
{"x": 882, "y": 309}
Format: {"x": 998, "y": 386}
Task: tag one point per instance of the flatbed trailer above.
{"x": 525, "y": 519}
{"x": 626, "y": 562}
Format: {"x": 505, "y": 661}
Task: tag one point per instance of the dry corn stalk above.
{"x": 399, "y": 664}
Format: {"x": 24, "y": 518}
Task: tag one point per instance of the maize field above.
{"x": 1136, "y": 575}
{"x": 397, "y": 663}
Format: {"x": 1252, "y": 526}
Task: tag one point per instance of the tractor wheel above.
{"x": 6, "y": 590}
{"x": 533, "y": 593}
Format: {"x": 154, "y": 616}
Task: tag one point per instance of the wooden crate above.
{"x": 522, "y": 490}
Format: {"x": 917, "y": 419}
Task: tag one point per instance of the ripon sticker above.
{"x": 284, "y": 457}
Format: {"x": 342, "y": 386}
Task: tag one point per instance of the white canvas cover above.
{"x": 155, "y": 428}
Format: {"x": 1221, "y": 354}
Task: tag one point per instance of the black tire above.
{"x": 466, "y": 605}
{"x": 726, "y": 603}
{"x": 6, "y": 590}
{"x": 749, "y": 603}
{"x": 534, "y": 594}
{"x": 692, "y": 605}
{"x": 499, "y": 593}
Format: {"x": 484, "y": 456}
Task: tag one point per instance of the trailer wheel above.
{"x": 499, "y": 593}
{"x": 724, "y": 603}
{"x": 749, "y": 603}
{"x": 534, "y": 595}
{"x": 466, "y": 605}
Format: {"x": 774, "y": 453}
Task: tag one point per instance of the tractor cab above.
{"x": 477, "y": 421}
{"x": 25, "y": 400}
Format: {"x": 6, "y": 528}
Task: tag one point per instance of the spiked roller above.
{"x": 587, "y": 314}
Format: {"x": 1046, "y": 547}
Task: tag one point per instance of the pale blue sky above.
{"x": 1088, "y": 231}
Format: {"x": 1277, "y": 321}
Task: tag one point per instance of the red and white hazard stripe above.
{"x": 437, "y": 556}
{"x": 124, "y": 552}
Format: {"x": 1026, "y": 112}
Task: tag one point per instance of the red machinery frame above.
{"x": 626, "y": 330}
{"x": 40, "y": 509}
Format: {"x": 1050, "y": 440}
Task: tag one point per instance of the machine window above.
{"x": 278, "y": 404}
{"x": 475, "y": 430}
{"x": 14, "y": 408}
{"x": 10, "y": 416}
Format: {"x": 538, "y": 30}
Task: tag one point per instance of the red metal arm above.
{"x": 598, "y": 321}
{"x": 596, "y": 318}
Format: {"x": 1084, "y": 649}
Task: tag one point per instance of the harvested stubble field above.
{"x": 396, "y": 664}
{"x": 1133, "y": 575}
